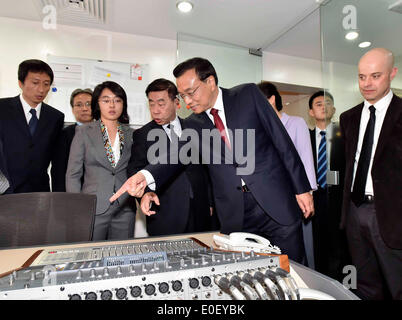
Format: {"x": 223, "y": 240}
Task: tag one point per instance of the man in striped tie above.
{"x": 330, "y": 249}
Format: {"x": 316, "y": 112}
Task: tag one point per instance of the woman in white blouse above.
{"x": 98, "y": 160}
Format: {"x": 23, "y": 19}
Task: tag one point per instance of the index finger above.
{"x": 119, "y": 192}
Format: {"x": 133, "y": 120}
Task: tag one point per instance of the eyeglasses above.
{"x": 115, "y": 100}
{"x": 190, "y": 95}
{"x": 82, "y": 105}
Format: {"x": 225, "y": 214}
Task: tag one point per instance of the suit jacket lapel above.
{"x": 20, "y": 117}
{"x": 354, "y": 123}
{"x": 231, "y": 118}
{"x": 43, "y": 119}
{"x": 95, "y": 136}
{"x": 391, "y": 117}
{"x": 314, "y": 147}
{"x": 127, "y": 147}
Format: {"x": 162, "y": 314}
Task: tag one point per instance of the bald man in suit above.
{"x": 372, "y": 198}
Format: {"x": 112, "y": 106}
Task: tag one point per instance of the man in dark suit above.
{"x": 372, "y": 198}
{"x": 29, "y": 129}
{"x": 184, "y": 201}
{"x": 80, "y": 102}
{"x": 330, "y": 249}
{"x": 260, "y": 194}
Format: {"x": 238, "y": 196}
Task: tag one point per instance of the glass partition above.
{"x": 234, "y": 65}
{"x": 349, "y": 29}
{"x": 375, "y": 23}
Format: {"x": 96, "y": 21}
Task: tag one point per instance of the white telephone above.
{"x": 243, "y": 241}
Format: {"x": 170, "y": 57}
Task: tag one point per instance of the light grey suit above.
{"x": 88, "y": 160}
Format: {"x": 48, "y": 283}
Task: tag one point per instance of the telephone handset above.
{"x": 243, "y": 241}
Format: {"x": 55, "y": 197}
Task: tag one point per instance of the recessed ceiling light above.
{"x": 365, "y": 44}
{"x": 352, "y": 35}
{"x": 184, "y": 6}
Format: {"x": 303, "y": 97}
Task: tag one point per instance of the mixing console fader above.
{"x": 180, "y": 269}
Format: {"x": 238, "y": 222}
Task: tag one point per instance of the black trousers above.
{"x": 288, "y": 238}
{"x": 378, "y": 267}
{"x": 331, "y": 253}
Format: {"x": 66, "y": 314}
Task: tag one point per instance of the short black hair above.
{"x": 118, "y": 91}
{"x": 78, "y": 91}
{"x": 162, "y": 85}
{"x": 319, "y": 94}
{"x": 203, "y": 68}
{"x": 36, "y": 66}
{"x": 269, "y": 89}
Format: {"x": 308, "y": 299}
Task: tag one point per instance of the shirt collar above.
{"x": 328, "y": 131}
{"x": 175, "y": 122}
{"x": 218, "y": 103}
{"x": 28, "y": 108}
{"x": 381, "y": 104}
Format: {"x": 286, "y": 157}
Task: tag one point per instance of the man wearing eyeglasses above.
{"x": 270, "y": 200}
{"x": 80, "y": 102}
{"x": 193, "y": 213}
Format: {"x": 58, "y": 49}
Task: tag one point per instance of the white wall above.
{"x": 293, "y": 70}
{"x": 22, "y": 39}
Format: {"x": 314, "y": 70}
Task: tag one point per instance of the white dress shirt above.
{"x": 27, "y": 108}
{"x": 221, "y": 112}
{"x": 176, "y": 125}
{"x": 381, "y": 108}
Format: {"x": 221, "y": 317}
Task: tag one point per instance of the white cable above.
{"x": 311, "y": 294}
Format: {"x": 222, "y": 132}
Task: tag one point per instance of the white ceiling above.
{"x": 247, "y": 23}
{"x": 290, "y": 27}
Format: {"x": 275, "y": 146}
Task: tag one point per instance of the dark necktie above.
{"x": 33, "y": 122}
{"x": 322, "y": 164}
{"x": 359, "y": 185}
{"x": 220, "y": 126}
{"x": 4, "y": 184}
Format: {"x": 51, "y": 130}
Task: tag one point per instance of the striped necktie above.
{"x": 322, "y": 161}
{"x": 4, "y": 184}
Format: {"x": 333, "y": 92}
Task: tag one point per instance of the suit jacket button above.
{"x": 113, "y": 174}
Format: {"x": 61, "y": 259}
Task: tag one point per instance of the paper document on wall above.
{"x": 136, "y": 72}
